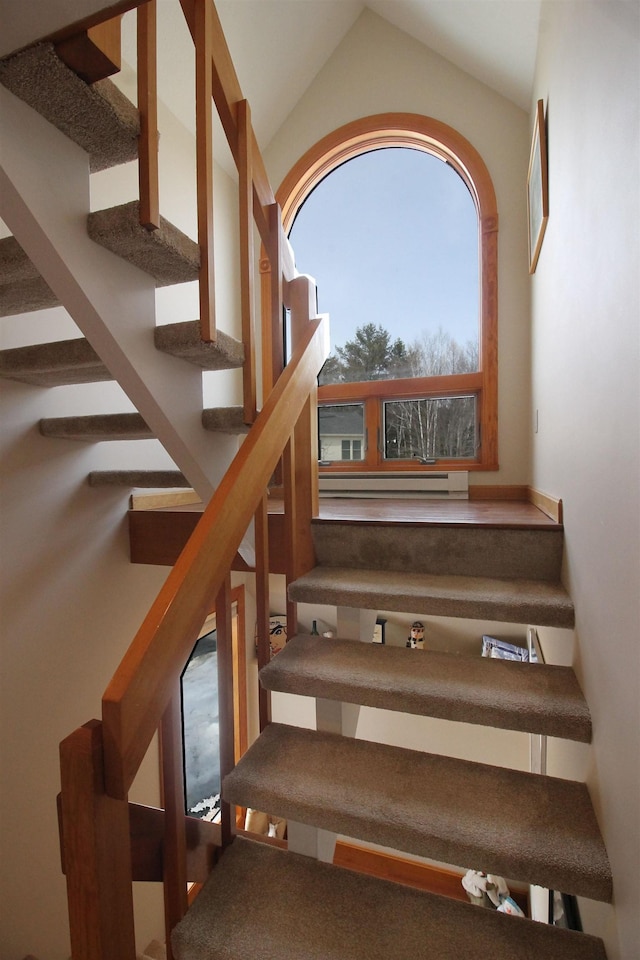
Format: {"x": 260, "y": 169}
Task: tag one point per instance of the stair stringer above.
{"x": 44, "y": 186}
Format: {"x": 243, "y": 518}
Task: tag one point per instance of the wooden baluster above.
{"x": 239, "y": 635}
{"x": 275, "y": 301}
{"x": 302, "y": 302}
{"x": 291, "y": 528}
{"x": 96, "y": 852}
{"x": 225, "y": 698}
{"x": 204, "y": 166}
{"x": 175, "y": 844}
{"x": 262, "y": 604}
{"x": 247, "y": 267}
{"x": 267, "y": 346}
{"x": 148, "y": 177}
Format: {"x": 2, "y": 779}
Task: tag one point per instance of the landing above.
{"x": 480, "y": 513}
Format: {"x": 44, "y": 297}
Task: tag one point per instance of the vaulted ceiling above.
{"x": 278, "y": 46}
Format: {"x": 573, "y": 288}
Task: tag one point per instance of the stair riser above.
{"x": 473, "y": 552}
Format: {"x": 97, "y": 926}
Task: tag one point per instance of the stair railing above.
{"x": 106, "y": 841}
{"x": 103, "y": 854}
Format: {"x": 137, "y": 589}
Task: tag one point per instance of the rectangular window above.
{"x": 341, "y": 432}
{"x": 437, "y": 428}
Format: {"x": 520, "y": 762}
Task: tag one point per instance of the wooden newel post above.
{"x": 96, "y": 852}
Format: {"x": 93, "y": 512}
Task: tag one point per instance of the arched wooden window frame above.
{"x": 437, "y": 138}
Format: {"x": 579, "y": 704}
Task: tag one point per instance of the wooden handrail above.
{"x": 139, "y": 692}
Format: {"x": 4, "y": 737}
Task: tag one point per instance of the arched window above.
{"x": 406, "y": 410}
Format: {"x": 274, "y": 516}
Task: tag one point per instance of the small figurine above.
{"x": 416, "y": 640}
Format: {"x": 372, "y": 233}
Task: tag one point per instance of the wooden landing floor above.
{"x": 157, "y": 535}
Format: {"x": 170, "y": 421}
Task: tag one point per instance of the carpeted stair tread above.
{"x": 534, "y": 698}
{"x": 149, "y": 479}
{"x": 167, "y": 254}
{"x": 97, "y": 427}
{"x": 224, "y": 420}
{"x": 22, "y": 289}
{"x": 183, "y": 340}
{"x": 462, "y": 550}
{"x": 54, "y": 364}
{"x": 131, "y": 426}
{"x": 527, "y": 827}
{"x": 478, "y": 598}
{"x": 268, "y": 904}
{"x": 26, "y": 296}
{"x": 97, "y": 117}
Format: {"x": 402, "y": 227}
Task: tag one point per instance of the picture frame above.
{"x": 537, "y": 187}
{"x": 379, "y": 630}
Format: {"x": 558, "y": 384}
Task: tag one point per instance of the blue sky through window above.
{"x": 391, "y": 238}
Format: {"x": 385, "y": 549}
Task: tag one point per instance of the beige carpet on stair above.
{"x": 262, "y": 903}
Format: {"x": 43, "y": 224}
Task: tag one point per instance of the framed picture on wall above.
{"x": 537, "y": 187}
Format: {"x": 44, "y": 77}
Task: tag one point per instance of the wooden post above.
{"x": 225, "y": 699}
{"x": 247, "y": 266}
{"x": 96, "y": 852}
{"x": 95, "y": 53}
{"x": 204, "y": 165}
{"x": 302, "y": 302}
{"x": 262, "y": 605}
{"x": 275, "y": 308}
{"x": 291, "y": 527}
{"x": 174, "y": 860}
{"x": 148, "y": 177}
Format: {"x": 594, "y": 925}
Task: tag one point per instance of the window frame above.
{"x": 439, "y": 139}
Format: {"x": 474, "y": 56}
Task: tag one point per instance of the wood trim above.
{"x": 552, "y": 506}
{"x": 401, "y": 388}
{"x": 388, "y": 130}
{"x": 498, "y": 492}
{"x": 433, "y": 136}
{"x": 148, "y": 173}
{"x": 421, "y": 876}
{"x": 95, "y": 53}
{"x": 109, "y": 12}
{"x": 154, "y": 501}
{"x": 386, "y": 866}
{"x": 96, "y": 852}
{"x": 141, "y": 687}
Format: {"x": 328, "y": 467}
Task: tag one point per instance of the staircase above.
{"x": 101, "y": 120}
{"x": 259, "y": 901}
{"x": 524, "y": 826}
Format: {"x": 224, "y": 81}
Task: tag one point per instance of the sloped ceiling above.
{"x": 278, "y": 46}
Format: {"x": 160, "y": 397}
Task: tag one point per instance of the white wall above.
{"x": 378, "y": 68}
{"x": 71, "y": 603}
{"x": 585, "y": 348}
{"x": 70, "y": 600}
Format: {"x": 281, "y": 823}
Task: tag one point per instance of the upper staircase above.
{"x": 258, "y": 901}
{"x": 100, "y": 119}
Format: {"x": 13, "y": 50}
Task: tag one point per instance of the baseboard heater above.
{"x": 448, "y": 485}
